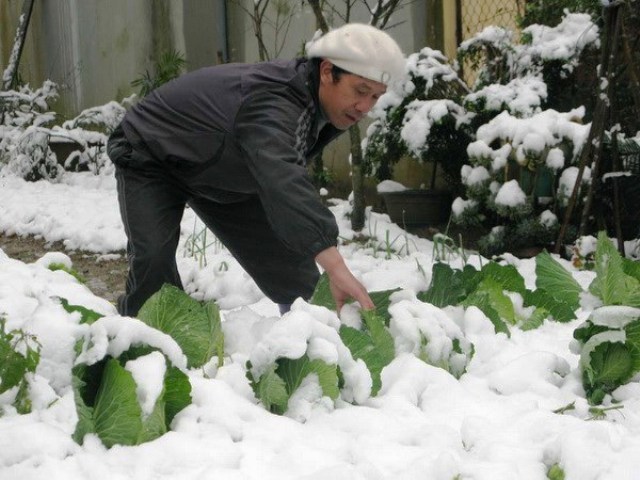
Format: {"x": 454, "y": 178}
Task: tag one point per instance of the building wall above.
{"x": 94, "y": 48}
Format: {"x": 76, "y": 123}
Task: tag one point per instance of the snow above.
{"x": 148, "y": 372}
{"x": 521, "y": 96}
{"x": 510, "y": 194}
{"x": 495, "y": 422}
{"x": 511, "y": 411}
{"x": 574, "y": 32}
{"x": 387, "y": 186}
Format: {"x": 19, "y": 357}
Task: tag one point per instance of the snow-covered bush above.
{"x": 523, "y": 162}
{"x": 424, "y": 119}
{"x": 28, "y": 132}
{"x": 514, "y": 157}
{"x": 24, "y": 119}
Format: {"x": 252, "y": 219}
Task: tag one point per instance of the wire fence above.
{"x": 475, "y": 15}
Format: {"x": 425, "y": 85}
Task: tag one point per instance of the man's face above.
{"x": 349, "y": 99}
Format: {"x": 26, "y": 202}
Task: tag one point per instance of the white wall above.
{"x": 94, "y": 48}
{"x": 303, "y": 27}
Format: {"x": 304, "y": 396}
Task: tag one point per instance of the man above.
{"x": 232, "y": 142}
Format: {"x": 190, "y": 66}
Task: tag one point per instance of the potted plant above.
{"x": 423, "y": 119}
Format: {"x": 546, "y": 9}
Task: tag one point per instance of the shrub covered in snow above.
{"x": 424, "y": 118}
{"x": 514, "y": 157}
{"x": 28, "y": 131}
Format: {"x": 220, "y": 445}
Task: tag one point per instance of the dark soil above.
{"x": 104, "y": 277}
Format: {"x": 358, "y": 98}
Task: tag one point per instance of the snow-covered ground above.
{"x": 496, "y": 421}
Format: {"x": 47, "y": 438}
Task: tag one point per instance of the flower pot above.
{"x": 417, "y": 208}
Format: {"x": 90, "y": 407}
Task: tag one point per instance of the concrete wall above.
{"x": 94, "y": 48}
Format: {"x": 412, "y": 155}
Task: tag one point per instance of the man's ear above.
{"x": 326, "y": 68}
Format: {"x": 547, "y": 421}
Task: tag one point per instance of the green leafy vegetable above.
{"x": 117, "y": 416}
{"x": 61, "y": 266}
{"x": 86, "y": 315}
{"x": 535, "y": 320}
{"x": 612, "y": 285}
{"x": 482, "y": 300}
{"x": 606, "y": 364}
{"x": 294, "y": 371}
{"x": 177, "y": 393}
{"x": 107, "y": 403}
{"x": 14, "y": 365}
{"x": 557, "y": 282}
{"x": 270, "y": 389}
{"x": 322, "y": 294}
{"x": 544, "y": 301}
{"x": 374, "y": 345}
{"x": 449, "y": 286}
{"x": 506, "y": 276}
{"x": 275, "y": 386}
{"x": 556, "y": 473}
{"x": 631, "y": 268}
{"x": 195, "y": 327}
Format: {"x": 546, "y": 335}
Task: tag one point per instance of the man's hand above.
{"x": 342, "y": 283}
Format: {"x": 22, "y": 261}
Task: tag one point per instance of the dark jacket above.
{"x": 235, "y": 130}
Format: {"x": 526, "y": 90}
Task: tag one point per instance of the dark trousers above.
{"x": 152, "y": 202}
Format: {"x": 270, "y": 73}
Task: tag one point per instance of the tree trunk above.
{"x": 357, "y": 180}
{"x": 11, "y": 72}
{"x": 321, "y": 22}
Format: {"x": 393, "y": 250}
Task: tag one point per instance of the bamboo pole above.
{"x": 594, "y": 144}
{"x": 11, "y": 72}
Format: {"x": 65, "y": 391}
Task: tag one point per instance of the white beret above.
{"x": 363, "y": 50}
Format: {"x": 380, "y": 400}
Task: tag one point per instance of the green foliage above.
{"x": 610, "y": 338}
{"x": 105, "y": 391}
{"x": 194, "y": 326}
{"x": 492, "y": 301}
{"x": 556, "y": 280}
{"x": 373, "y": 344}
{"x": 606, "y": 363}
{"x": 108, "y": 406}
{"x": 544, "y": 302}
{"x": 61, "y": 266}
{"x": 169, "y": 66}
{"x": 556, "y": 295}
{"x": 555, "y": 472}
{"x": 270, "y": 389}
{"x": 86, "y": 315}
{"x": 322, "y": 294}
{"x": 519, "y": 88}
{"x": 449, "y": 286}
{"x": 19, "y": 355}
{"x": 275, "y": 386}
{"x": 612, "y": 284}
{"x": 557, "y": 291}
{"x": 294, "y": 371}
